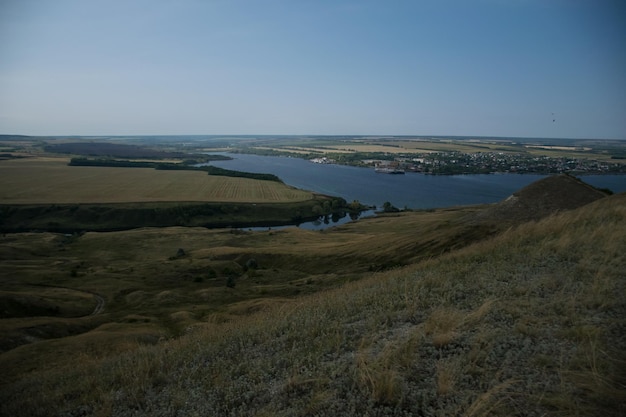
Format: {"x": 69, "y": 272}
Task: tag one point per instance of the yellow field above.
{"x": 408, "y": 146}
{"x": 365, "y": 147}
{"x": 303, "y": 150}
{"x": 399, "y": 146}
{"x": 50, "y": 180}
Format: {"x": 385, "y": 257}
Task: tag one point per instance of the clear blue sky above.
{"x": 420, "y": 67}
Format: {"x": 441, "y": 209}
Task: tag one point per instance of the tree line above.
{"x": 211, "y": 170}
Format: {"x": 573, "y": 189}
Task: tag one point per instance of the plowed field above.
{"x": 50, "y": 180}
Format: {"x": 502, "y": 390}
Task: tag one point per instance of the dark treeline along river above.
{"x": 411, "y": 190}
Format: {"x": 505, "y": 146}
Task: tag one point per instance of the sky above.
{"x": 512, "y": 68}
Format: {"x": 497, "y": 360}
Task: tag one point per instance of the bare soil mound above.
{"x": 540, "y": 199}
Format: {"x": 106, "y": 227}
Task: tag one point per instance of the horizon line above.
{"x": 307, "y": 135}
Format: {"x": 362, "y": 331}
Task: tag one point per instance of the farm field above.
{"x": 473, "y": 146}
{"x": 373, "y": 147}
{"x": 580, "y": 149}
{"x": 303, "y": 150}
{"x": 347, "y": 148}
{"x": 576, "y": 149}
{"x": 48, "y": 180}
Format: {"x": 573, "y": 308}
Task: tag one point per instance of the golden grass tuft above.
{"x": 442, "y": 325}
{"x": 493, "y": 402}
{"x": 448, "y": 371}
{"x": 383, "y": 383}
{"x": 445, "y": 324}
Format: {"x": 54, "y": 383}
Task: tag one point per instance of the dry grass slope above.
{"x": 540, "y": 199}
{"x": 530, "y": 323}
{"x": 150, "y": 292}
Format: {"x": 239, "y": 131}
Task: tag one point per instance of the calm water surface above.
{"x": 416, "y": 191}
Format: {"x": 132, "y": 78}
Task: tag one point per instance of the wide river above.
{"x": 415, "y": 191}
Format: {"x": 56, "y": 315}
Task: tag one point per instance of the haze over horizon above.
{"x": 518, "y": 68}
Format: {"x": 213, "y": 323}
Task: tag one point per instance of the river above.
{"x": 411, "y": 190}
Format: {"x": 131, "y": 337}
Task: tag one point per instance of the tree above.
{"x": 317, "y": 210}
{"x": 389, "y": 208}
{"x": 355, "y": 205}
{"x": 338, "y": 203}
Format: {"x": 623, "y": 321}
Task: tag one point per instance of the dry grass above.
{"x": 150, "y": 292}
{"x": 45, "y": 180}
{"x": 384, "y": 384}
{"x": 438, "y": 146}
{"x": 368, "y": 348}
{"x": 358, "y": 147}
{"x": 303, "y": 149}
{"x": 447, "y": 374}
{"x": 442, "y": 325}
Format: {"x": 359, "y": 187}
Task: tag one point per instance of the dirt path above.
{"x": 100, "y": 303}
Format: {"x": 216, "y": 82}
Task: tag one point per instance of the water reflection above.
{"x": 322, "y": 222}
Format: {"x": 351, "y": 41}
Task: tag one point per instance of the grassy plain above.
{"x": 48, "y": 180}
{"x": 529, "y": 322}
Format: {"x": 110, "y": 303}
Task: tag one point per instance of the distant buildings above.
{"x": 322, "y": 160}
{"x": 454, "y": 162}
{"x": 451, "y": 163}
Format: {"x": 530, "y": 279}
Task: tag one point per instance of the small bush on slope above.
{"x": 529, "y": 324}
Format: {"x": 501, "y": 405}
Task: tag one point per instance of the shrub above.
{"x": 252, "y": 264}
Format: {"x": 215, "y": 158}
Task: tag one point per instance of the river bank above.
{"x": 73, "y": 218}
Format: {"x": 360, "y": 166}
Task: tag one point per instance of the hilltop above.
{"x": 410, "y": 314}
{"x": 542, "y": 198}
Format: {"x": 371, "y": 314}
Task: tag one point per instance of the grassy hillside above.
{"x": 530, "y": 322}
{"x": 158, "y": 281}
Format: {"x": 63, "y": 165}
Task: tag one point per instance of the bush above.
{"x": 252, "y": 264}
{"x": 230, "y": 282}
